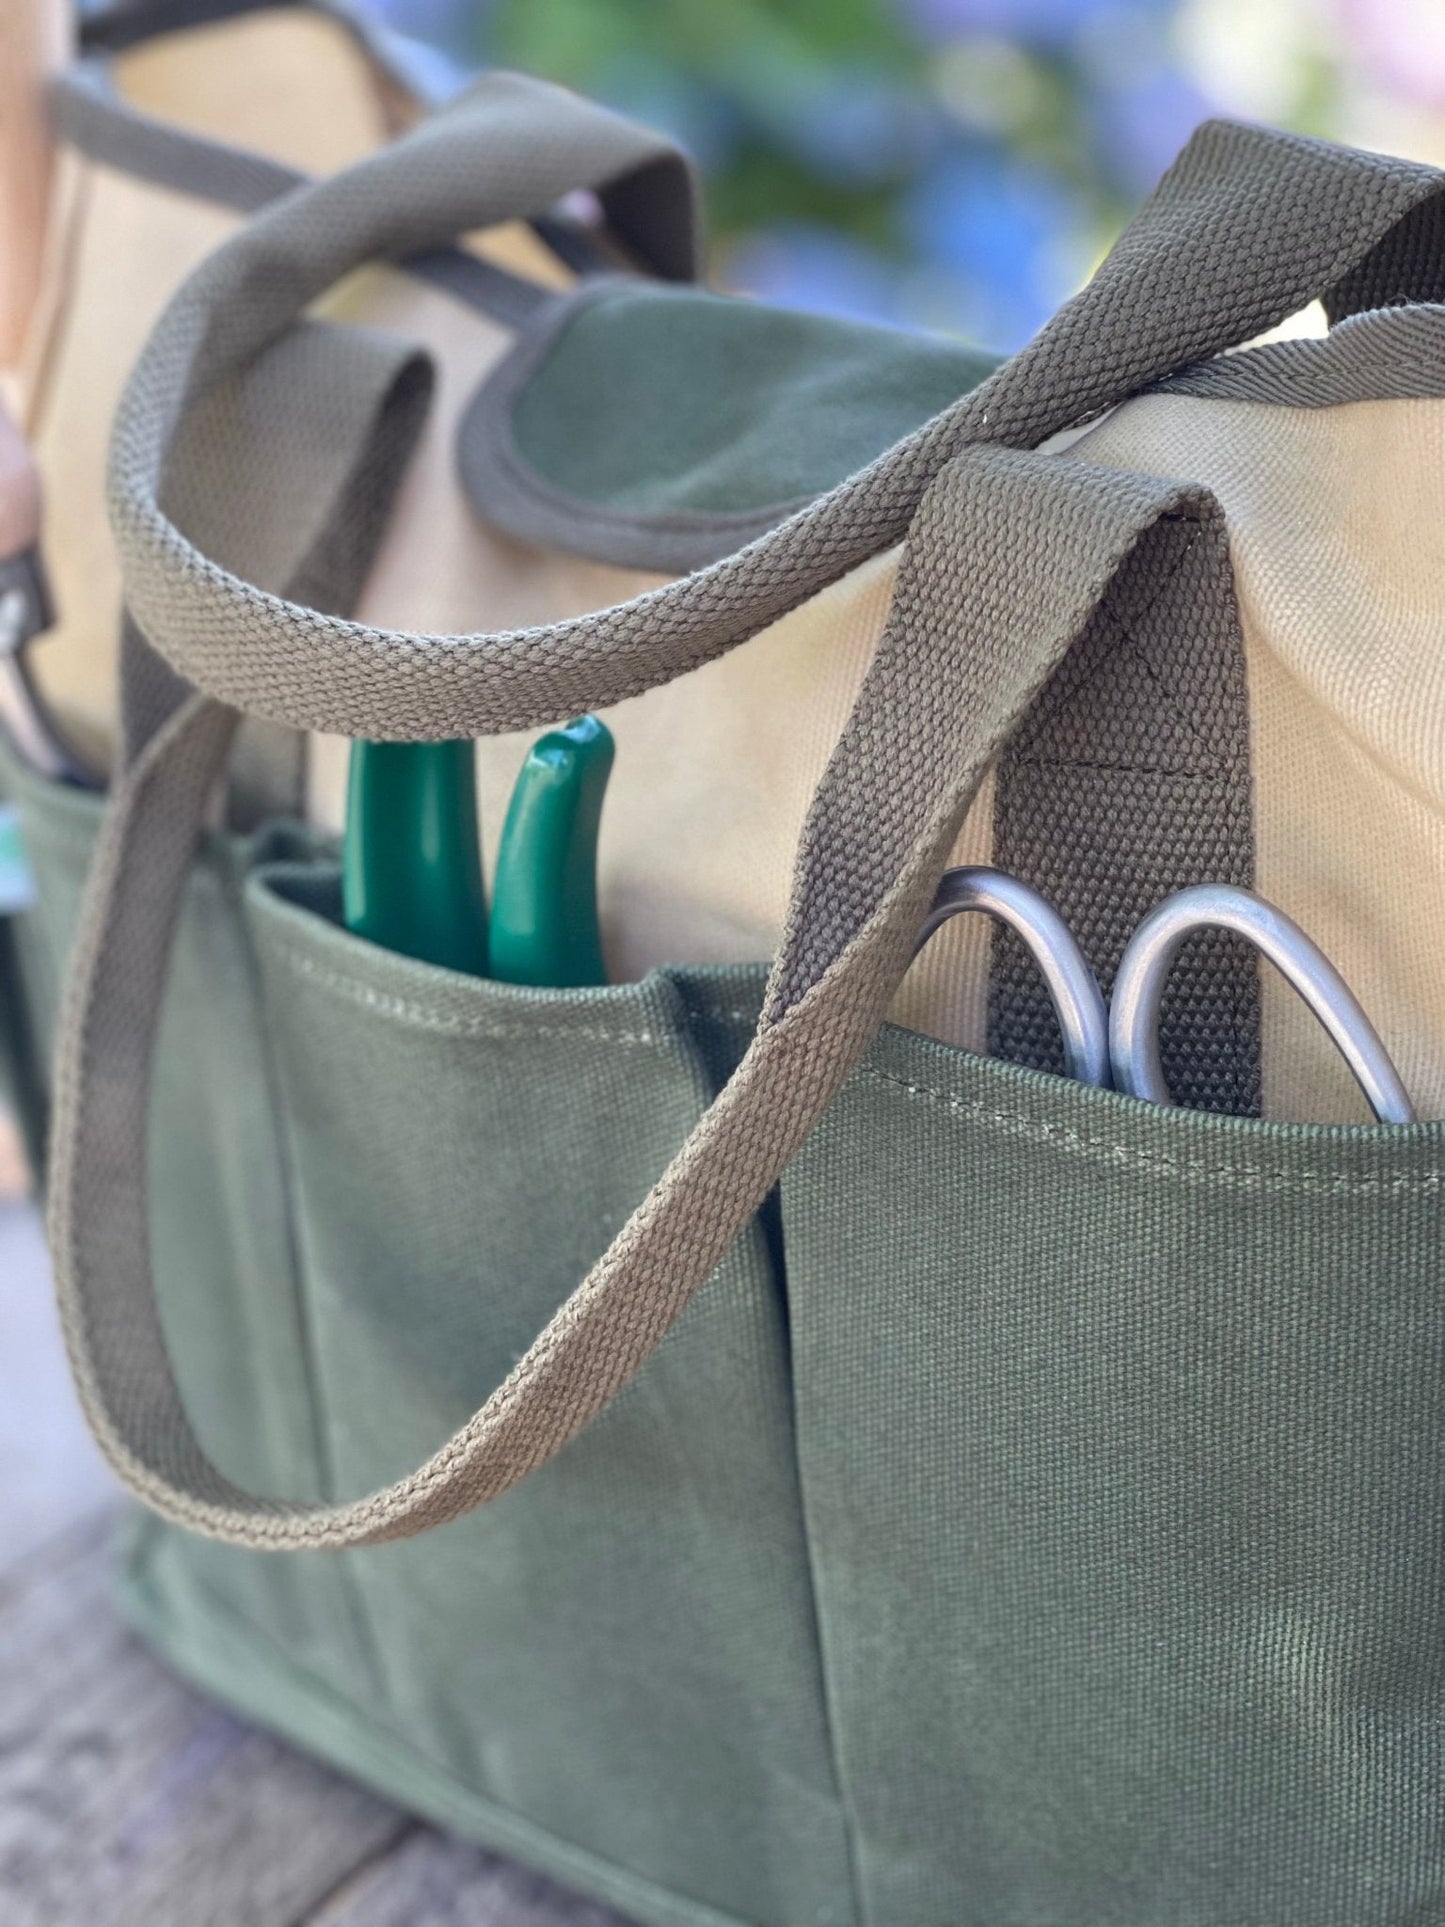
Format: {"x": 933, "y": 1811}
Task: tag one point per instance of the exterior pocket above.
{"x": 219, "y": 1214}
{"x": 623, "y": 1648}
{"x": 1120, "y": 1432}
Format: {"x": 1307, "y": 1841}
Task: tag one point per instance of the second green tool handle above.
{"x": 545, "y": 927}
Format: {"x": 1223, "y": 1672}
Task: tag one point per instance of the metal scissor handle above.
{"x": 1144, "y": 970}
{"x": 1077, "y": 1000}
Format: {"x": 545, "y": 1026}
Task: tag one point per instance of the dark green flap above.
{"x": 661, "y": 427}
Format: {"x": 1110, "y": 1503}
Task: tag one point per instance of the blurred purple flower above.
{"x": 1402, "y": 42}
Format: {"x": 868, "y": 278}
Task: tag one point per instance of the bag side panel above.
{"x": 1119, "y": 1431}
{"x": 220, "y": 1211}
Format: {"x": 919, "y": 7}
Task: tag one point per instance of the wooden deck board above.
{"x": 430, "y": 1881}
{"x": 129, "y": 1800}
{"x": 126, "y": 1798}
{"x": 50, "y": 1472}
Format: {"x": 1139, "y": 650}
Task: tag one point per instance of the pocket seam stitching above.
{"x": 404, "y": 1011}
{"x": 1248, "y": 1177}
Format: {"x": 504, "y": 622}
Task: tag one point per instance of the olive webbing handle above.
{"x": 1246, "y": 227}
{"x": 1007, "y": 555}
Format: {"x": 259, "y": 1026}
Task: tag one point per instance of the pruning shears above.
{"x": 412, "y": 867}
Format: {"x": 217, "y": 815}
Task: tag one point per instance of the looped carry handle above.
{"x": 1007, "y": 556}
{"x": 1245, "y": 228}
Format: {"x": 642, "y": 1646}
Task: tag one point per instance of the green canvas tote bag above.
{"x": 762, "y": 1449}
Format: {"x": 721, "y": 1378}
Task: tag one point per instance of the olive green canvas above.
{"x": 1012, "y": 1536}
{"x": 653, "y": 399}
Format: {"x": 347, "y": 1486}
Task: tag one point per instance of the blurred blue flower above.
{"x": 858, "y": 128}
{"x": 1011, "y": 232}
{"x": 1049, "y": 23}
{"x": 799, "y": 265}
{"x": 1141, "y": 120}
{"x": 455, "y": 25}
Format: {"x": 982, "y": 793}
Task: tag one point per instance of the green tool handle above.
{"x": 411, "y": 874}
{"x": 545, "y": 927}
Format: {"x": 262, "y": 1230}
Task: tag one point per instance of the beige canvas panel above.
{"x": 133, "y": 245}
{"x": 286, "y": 83}
{"x": 290, "y": 85}
{"x": 1337, "y": 533}
{"x": 714, "y": 772}
{"x": 117, "y": 250}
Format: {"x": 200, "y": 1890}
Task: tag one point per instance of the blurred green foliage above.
{"x": 959, "y": 163}
{"x": 738, "y": 75}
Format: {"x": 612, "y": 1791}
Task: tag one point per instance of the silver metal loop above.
{"x": 1144, "y": 971}
{"x": 1078, "y": 1002}
{"x": 23, "y": 716}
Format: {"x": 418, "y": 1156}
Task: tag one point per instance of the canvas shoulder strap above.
{"x": 1007, "y": 554}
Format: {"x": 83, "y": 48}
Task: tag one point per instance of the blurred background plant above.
{"x": 955, "y": 164}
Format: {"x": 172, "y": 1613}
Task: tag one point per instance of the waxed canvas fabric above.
{"x": 649, "y": 1668}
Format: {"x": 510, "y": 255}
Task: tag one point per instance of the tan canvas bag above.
{"x": 716, "y": 890}
{"x": 953, "y": 1492}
